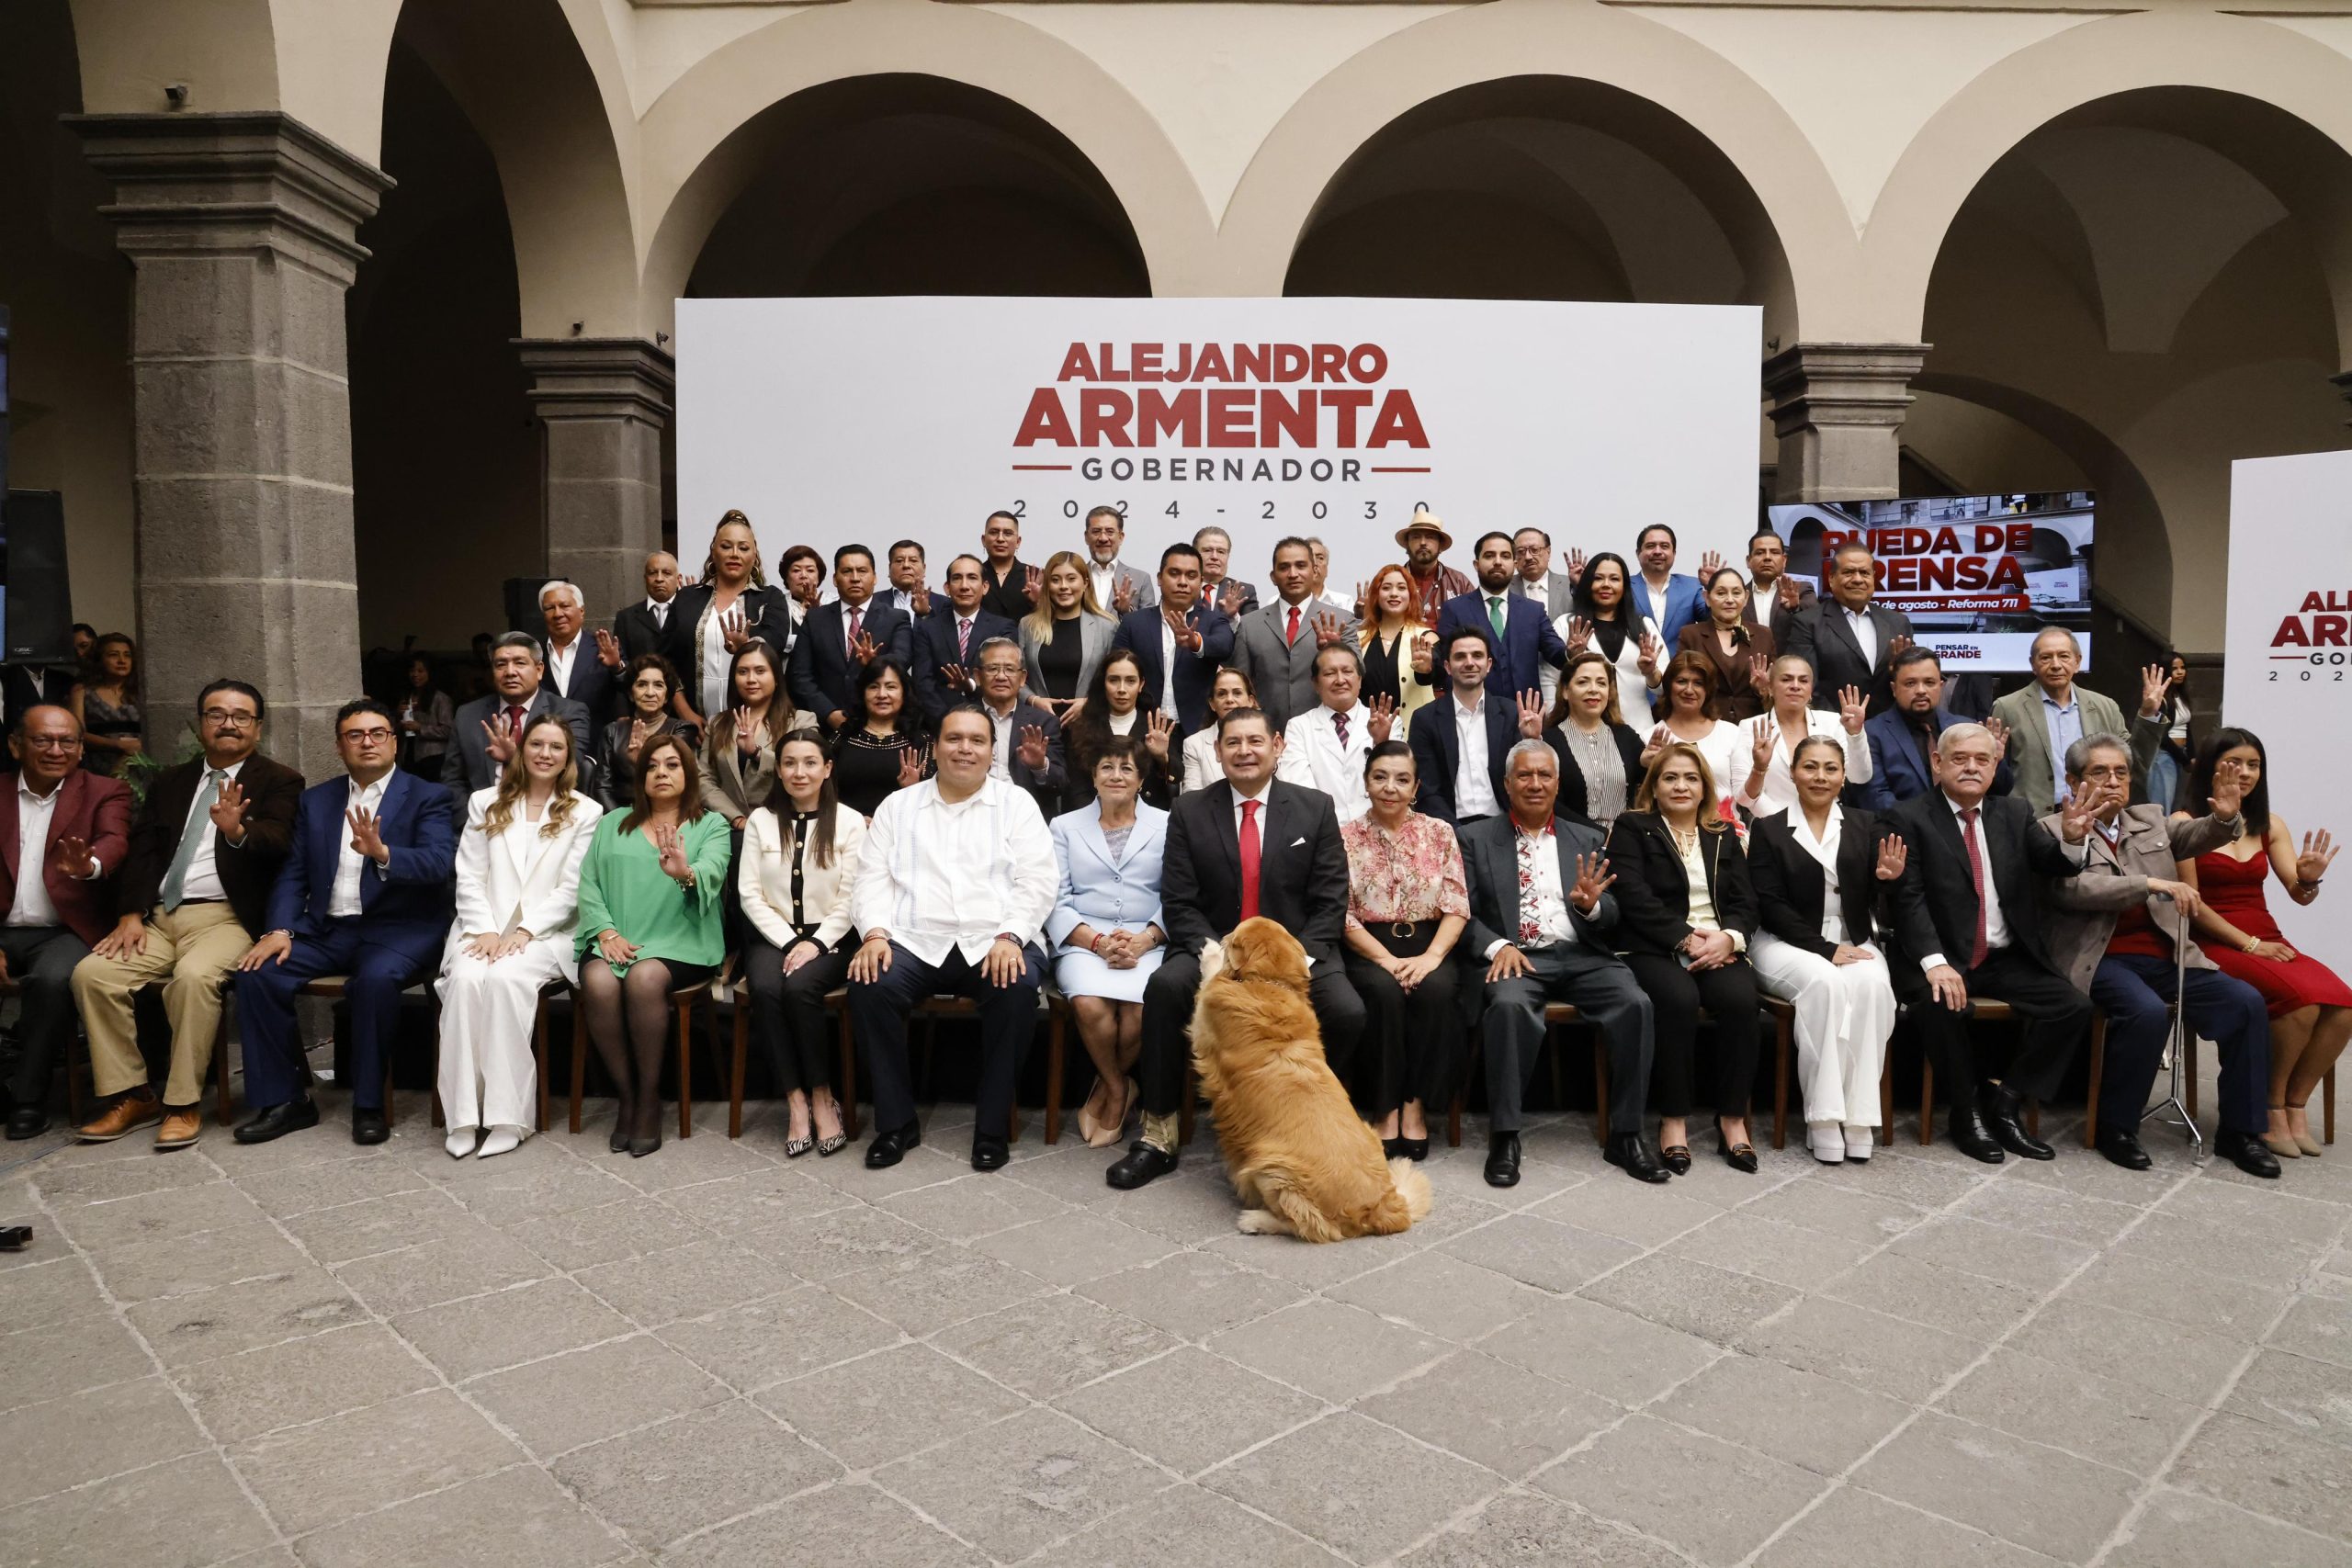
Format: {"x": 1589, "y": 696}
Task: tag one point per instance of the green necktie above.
{"x": 1494, "y": 613}
{"x": 176, "y": 879}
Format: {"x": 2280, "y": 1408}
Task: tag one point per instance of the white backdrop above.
{"x": 829, "y": 420}
{"x": 2287, "y": 675}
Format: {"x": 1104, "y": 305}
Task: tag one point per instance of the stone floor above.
{"x": 308, "y": 1352}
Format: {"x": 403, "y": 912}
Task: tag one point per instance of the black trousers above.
{"x": 1675, "y": 995}
{"x": 1597, "y": 986}
{"x": 41, "y": 961}
{"x": 2055, "y": 1016}
{"x": 1416, "y": 1036}
{"x": 1168, "y": 1026}
{"x": 878, "y": 1010}
{"x": 788, "y": 1011}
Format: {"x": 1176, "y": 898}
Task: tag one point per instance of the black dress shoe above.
{"x": 2004, "y": 1113}
{"x": 1969, "y": 1134}
{"x": 1740, "y": 1155}
{"x": 1416, "y": 1149}
{"x": 1392, "y": 1148}
{"x": 1502, "y": 1160}
{"x": 888, "y": 1148}
{"x": 989, "y": 1153}
{"x": 1139, "y": 1166}
{"x": 1676, "y": 1157}
{"x": 27, "y": 1122}
{"x": 1629, "y": 1154}
{"x": 2123, "y": 1148}
{"x": 276, "y": 1121}
{"x": 2247, "y": 1153}
{"x": 369, "y": 1124}
{"x": 640, "y": 1147}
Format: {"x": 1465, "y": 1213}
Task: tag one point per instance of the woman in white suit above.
{"x": 518, "y": 899}
{"x": 1105, "y": 932}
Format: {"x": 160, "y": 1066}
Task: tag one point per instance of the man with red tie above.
{"x": 1246, "y": 846}
{"x": 1276, "y": 646}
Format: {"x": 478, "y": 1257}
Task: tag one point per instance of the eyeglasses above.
{"x": 54, "y": 742}
{"x": 228, "y": 718}
{"x": 375, "y": 736}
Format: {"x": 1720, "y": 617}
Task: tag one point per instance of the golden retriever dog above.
{"x": 1303, "y": 1162}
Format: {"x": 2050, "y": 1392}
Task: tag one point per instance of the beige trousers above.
{"x": 192, "y": 949}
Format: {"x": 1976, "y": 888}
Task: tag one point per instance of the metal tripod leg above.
{"x": 2173, "y": 1107}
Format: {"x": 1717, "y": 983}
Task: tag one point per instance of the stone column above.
{"x": 1837, "y": 408}
{"x": 241, "y": 231}
{"x": 602, "y": 403}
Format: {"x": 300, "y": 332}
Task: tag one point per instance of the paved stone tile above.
{"x": 209, "y": 1324}
{"x": 298, "y": 1191}
{"x": 1646, "y": 1475}
{"x": 1841, "y": 1209}
{"x": 1185, "y": 1526}
{"x": 1621, "y": 1358}
{"x": 1189, "y": 1409}
{"x": 688, "y": 1281}
{"x": 764, "y": 1342}
{"x": 482, "y": 1334}
{"x": 1312, "y": 1266}
{"x": 1354, "y": 1485}
{"x": 1869, "y": 1349}
{"x": 466, "y": 1262}
{"x": 2265, "y": 1208}
{"x": 1188, "y": 1210}
{"x": 2216, "y": 1247}
{"x": 54, "y": 1292}
{"x": 310, "y": 1477}
{"x": 969, "y": 1206}
{"x": 2298, "y": 1395}
{"x": 2179, "y": 1363}
{"x": 1049, "y": 1345}
{"x": 1526, "y": 1529}
{"x": 1893, "y": 1534}
{"x": 1966, "y": 1305}
{"x": 1996, "y": 1252}
{"x": 67, "y": 1358}
{"x": 1903, "y": 1174}
{"x": 892, "y": 1403}
{"x": 304, "y": 1380}
{"x": 518, "y": 1518}
{"x": 1331, "y": 1350}
{"x": 1491, "y": 1412}
{"x": 69, "y": 1185}
{"x": 2320, "y": 1329}
{"x": 1797, "y": 1417}
{"x": 156, "y": 1215}
{"x": 929, "y": 1291}
{"x": 1712, "y": 1304}
{"x": 2066, "y": 1212}
{"x": 2221, "y": 1305}
{"x": 189, "y": 1510}
{"x": 828, "y": 1246}
{"x": 659, "y": 1483}
{"x": 2180, "y": 1529}
{"x": 756, "y": 1200}
{"x": 1071, "y": 1248}
{"x": 351, "y": 1231}
{"x": 2022, "y": 1492}
{"x": 1191, "y": 1294}
{"x": 684, "y": 1161}
{"x": 1440, "y": 1294}
{"x": 1645, "y": 1215}
{"x": 198, "y": 1262}
{"x": 564, "y": 1402}
{"x": 2079, "y": 1173}
{"x": 1542, "y": 1253}
{"x": 82, "y": 1438}
{"x": 2126, "y": 1425}
{"x": 847, "y": 1523}
{"x": 1769, "y": 1249}
{"x": 1022, "y": 1485}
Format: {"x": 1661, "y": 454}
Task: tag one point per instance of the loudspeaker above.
{"x": 36, "y": 598}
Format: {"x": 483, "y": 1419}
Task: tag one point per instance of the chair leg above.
{"x": 687, "y": 1071}
{"x": 1054, "y": 1046}
{"x": 2033, "y": 1117}
{"x": 848, "y": 1076}
{"x": 2099, "y": 1070}
{"x": 1783, "y": 1044}
{"x": 579, "y": 1057}
{"x": 1600, "y": 1082}
{"x": 1928, "y": 1101}
{"x": 538, "y": 1063}
{"x": 735, "y": 1074}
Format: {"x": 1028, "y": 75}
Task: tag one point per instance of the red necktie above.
{"x": 515, "y": 721}
{"x": 856, "y": 624}
{"x": 1975, "y": 875}
{"x": 1292, "y": 636}
{"x": 1249, "y": 856}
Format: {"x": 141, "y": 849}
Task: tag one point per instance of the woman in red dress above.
{"x": 2311, "y": 1009}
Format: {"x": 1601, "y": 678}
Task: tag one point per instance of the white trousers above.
{"x": 487, "y": 1077}
{"x": 1844, "y": 1016}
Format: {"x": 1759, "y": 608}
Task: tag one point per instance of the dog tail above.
{"x": 1412, "y": 1187}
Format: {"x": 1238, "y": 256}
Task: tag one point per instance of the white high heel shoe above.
{"x": 1827, "y": 1141}
{"x": 460, "y": 1142}
{"x": 1860, "y": 1142}
{"x": 498, "y": 1141}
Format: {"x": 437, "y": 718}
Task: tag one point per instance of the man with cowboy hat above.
{"x": 1422, "y": 540}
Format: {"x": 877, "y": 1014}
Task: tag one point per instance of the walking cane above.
{"x": 2178, "y": 1041}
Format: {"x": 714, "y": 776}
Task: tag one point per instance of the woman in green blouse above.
{"x": 650, "y": 922}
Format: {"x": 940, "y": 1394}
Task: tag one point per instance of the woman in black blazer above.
{"x": 732, "y": 604}
{"x": 1827, "y": 955}
{"x": 1600, "y": 753}
{"x": 1686, "y": 940}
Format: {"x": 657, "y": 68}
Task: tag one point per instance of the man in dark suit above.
{"x": 1774, "y": 598}
{"x": 193, "y": 887}
{"x": 948, "y": 640}
{"x": 483, "y": 733}
{"x": 367, "y": 893}
{"x": 1011, "y": 587}
{"x": 1521, "y": 638}
{"x": 1553, "y": 946}
{"x": 574, "y": 666}
{"x": 1028, "y": 743}
{"x": 1849, "y": 640}
{"x": 1177, "y": 642}
{"x": 1229, "y": 596}
{"x": 63, "y": 832}
{"x": 1244, "y": 846}
{"x": 1968, "y": 923}
{"x": 651, "y": 625}
{"x": 841, "y": 637}
{"x": 1902, "y": 738}
{"x": 1470, "y": 715}
{"x": 1554, "y": 592}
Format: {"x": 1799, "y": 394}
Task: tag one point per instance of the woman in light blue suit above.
{"x": 1105, "y": 928}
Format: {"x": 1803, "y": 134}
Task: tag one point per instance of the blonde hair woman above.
{"x": 733, "y": 605}
{"x": 518, "y": 902}
{"x": 1065, "y": 637}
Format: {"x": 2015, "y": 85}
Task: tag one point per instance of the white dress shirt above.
{"x": 1996, "y": 929}
{"x": 943, "y": 879}
{"x": 1474, "y": 788}
{"x": 202, "y": 883}
{"x": 1865, "y": 633}
{"x": 1825, "y": 849}
{"x": 344, "y": 902}
{"x": 659, "y": 610}
{"x": 1106, "y": 583}
{"x": 34, "y": 814}
{"x": 1001, "y": 754}
{"x": 1779, "y": 791}
{"x": 559, "y": 663}
{"x": 1552, "y": 925}
{"x": 1314, "y": 757}
{"x": 1167, "y": 668}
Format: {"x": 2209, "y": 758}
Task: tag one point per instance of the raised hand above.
{"x": 1593, "y": 879}
{"x": 1579, "y": 635}
{"x": 1660, "y": 737}
{"x": 1229, "y": 600}
{"x": 1033, "y": 583}
{"x": 1530, "y": 716}
{"x": 748, "y": 732}
{"x": 2229, "y": 792}
{"x": 861, "y": 648}
{"x": 641, "y": 730}
{"x": 70, "y": 855}
{"x": 1159, "y": 731}
{"x": 1575, "y": 564}
{"x": 675, "y": 864}
{"x": 1031, "y": 749}
{"x": 367, "y": 834}
{"x": 2319, "y": 854}
{"x": 1853, "y": 709}
{"x": 1709, "y": 563}
{"x": 919, "y": 601}
{"x": 1424, "y": 652}
{"x": 1651, "y": 648}
{"x": 734, "y": 629}
{"x": 608, "y": 649}
{"x": 1761, "y": 740}
{"x": 1999, "y": 733}
{"x": 498, "y": 740}
{"x": 1327, "y": 629}
{"x": 1893, "y": 856}
{"x": 1383, "y": 722}
{"x": 1790, "y": 593}
{"x": 1759, "y": 674}
{"x": 2076, "y": 814}
{"x": 1895, "y": 645}
{"x": 228, "y": 812}
{"x": 2153, "y": 686}
{"x": 1123, "y": 594}
{"x": 911, "y": 762}
{"x": 1365, "y": 609}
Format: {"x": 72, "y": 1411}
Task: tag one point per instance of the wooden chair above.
{"x": 1981, "y": 1009}
{"x": 2188, "y": 1076}
{"x": 936, "y": 1008}
{"x": 77, "y": 1060}
{"x": 331, "y": 989}
{"x": 837, "y": 1001}
{"x": 684, "y": 1002}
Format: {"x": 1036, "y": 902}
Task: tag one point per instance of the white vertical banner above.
{"x": 2287, "y": 675}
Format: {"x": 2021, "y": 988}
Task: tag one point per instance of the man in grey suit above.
{"x": 1118, "y": 587}
{"x": 1555, "y": 590}
{"x": 2046, "y": 718}
{"x": 1552, "y": 947}
{"x": 1228, "y": 596}
{"x": 483, "y": 733}
{"x": 1275, "y": 646}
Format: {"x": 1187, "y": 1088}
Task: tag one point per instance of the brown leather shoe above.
{"x": 183, "y": 1124}
{"x": 133, "y": 1111}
